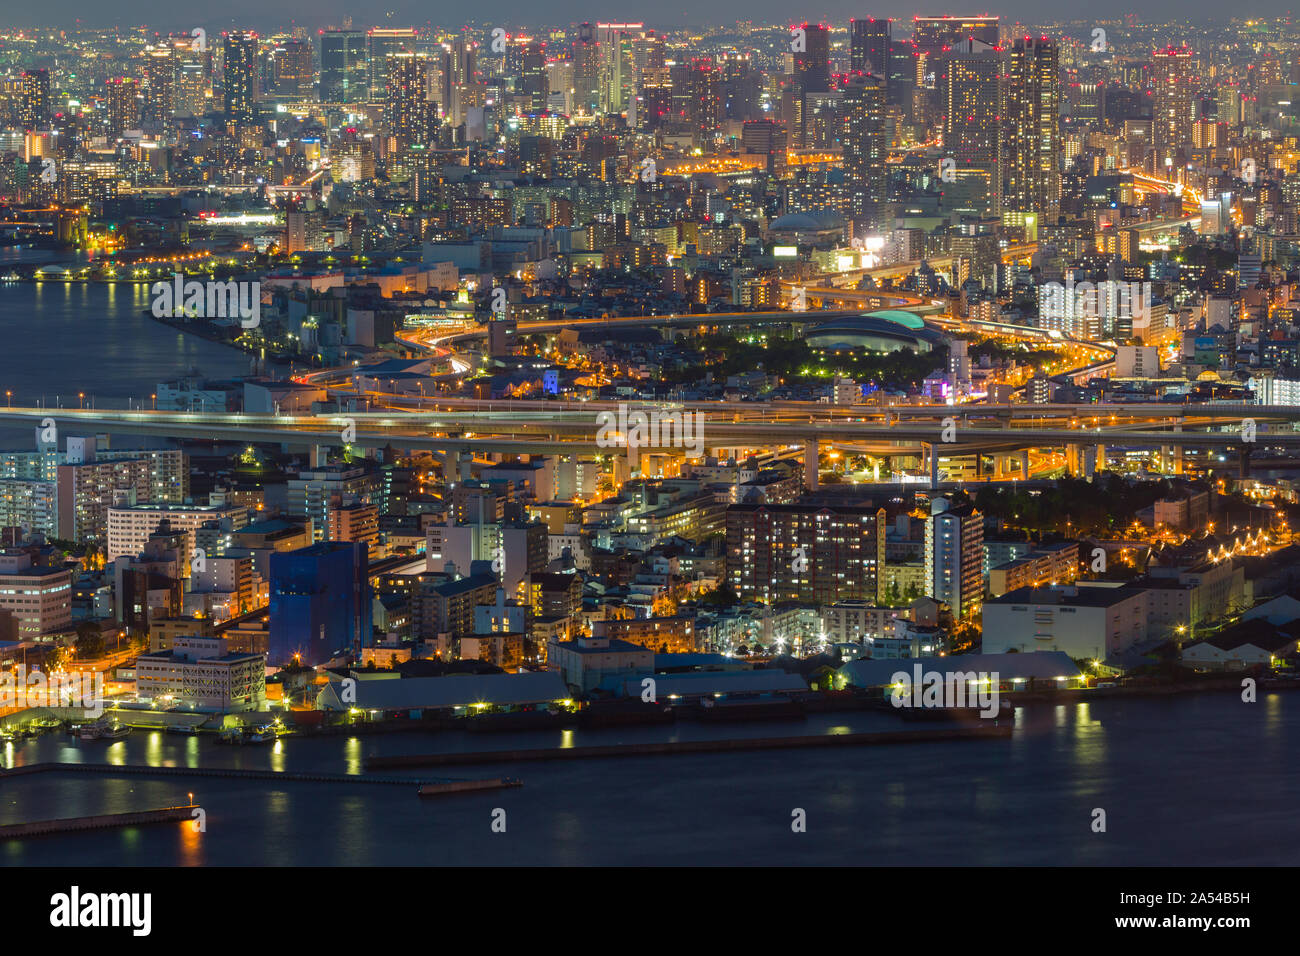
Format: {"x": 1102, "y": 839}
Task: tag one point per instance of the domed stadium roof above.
{"x": 814, "y": 221}
{"x": 909, "y": 319}
{"x": 884, "y": 331}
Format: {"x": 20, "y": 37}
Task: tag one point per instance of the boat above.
{"x": 190, "y": 730}
{"x": 114, "y": 731}
{"x": 46, "y": 723}
{"x": 257, "y": 735}
{"x": 103, "y": 730}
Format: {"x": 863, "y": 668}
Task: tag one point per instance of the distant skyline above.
{"x": 263, "y": 14}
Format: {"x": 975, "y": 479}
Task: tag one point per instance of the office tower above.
{"x": 971, "y": 90}
{"x": 586, "y": 71}
{"x": 191, "y": 93}
{"x": 292, "y": 73}
{"x": 1171, "y": 110}
{"x": 935, "y": 34}
{"x": 742, "y": 88}
{"x": 865, "y": 184}
{"x": 704, "y": 86}
{"x": 344, "y": 77}
{"x": 812, "y": 63}
{"x": 34, "y": 104}
{"x": 159, "y": 88}
{"x": 810, "y": 553}
{"x": 655, "y": 104}
{"x": 380, "y": 45}
{"x": 533, "y": 81}
{"x": 617, "y": 46}
{"x": 320, "y": 602}
{"x": 123, "y": 105}
{"x": 869, "y": 44}
{"x": 1032, "y": 192}
{"x": 458, "y": 79}
{"x": 766, "y": 138}
{"x": 240, "y": 77}
{"x": 407, "y": 110}
{"x": 954, "y": 556}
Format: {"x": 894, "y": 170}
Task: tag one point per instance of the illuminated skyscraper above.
{"x": 617, "y": 44}
{"x": 586, "y": 70}
{"x": 1171, "y": 110}
{"x": 704, "y": 100}
{"x": 34, "y": 106}
{"x": 869, "y": 44}
{"x": 380, "y": 44}
{"x": 344, "y": 77}
{"x": 292, "y": 73}
{"x": 459, "y": 93}
{"x": 864, "y": 152}
{"x": 407, "y": 108}
{"x": 158, "y": 90}
{"x": 123, "y": 105}
{"x": 532, "y": 75}
{"x": 812, "y": 64}
{"x": 936, "y": 34}
{"x": 1033, "y": 133}
{"x": 970, "y": 85}
{"x": 240, "y": 77}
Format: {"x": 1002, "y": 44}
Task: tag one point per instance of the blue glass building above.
{"x": 320, "y": 602}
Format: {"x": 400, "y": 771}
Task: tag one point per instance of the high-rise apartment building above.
{"x": 810, "y": 553}
{"x": 1172, "y": 111}
{"x": 1032, "y": 192}
{"x": 864, "y": 150}
{"x": 34, "y": 100}
{"x": 954, "y": 556}
{"x": 240, "y": 77}
{"x": 407, "y": 110}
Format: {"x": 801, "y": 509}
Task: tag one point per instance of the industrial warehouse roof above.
{"x": 707, "y": 683}
{"x": 441, "y": 693}
{"x": 1040, "y": 665}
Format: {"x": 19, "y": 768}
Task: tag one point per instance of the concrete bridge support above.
{"x": 1024, "y": 464}
{"x": 811, "y": 452}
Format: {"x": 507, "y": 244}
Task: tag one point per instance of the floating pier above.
{"x": 735, "y": 745}
{"x": 16, "y": 831}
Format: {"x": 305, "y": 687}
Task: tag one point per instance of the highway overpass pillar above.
{"x": 811, "y": 452}
{"x": 1244, "y": 469}
{"x": 932, "y": 454}
{"x": 1072, "y": 460}
{"x": 1101, "y": 457}
{"x": 979, "y": 466}
{"x": 1024, "y": 464}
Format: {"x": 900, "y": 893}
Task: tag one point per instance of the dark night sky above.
{"x": 264, "y": 14}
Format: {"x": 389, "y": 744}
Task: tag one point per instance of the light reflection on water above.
{"x": 1204, "y": 779}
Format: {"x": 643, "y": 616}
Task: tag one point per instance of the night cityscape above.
{"x": 817, "y": 440}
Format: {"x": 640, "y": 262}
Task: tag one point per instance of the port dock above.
{"x": 17, "y": 831}
{"x": 669, "y": 748}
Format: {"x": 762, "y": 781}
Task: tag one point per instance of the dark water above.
{"x": 1193, "y": 781}
{"x": 64, "y": 338}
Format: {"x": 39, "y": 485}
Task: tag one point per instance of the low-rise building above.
{"x": 586, "y": 662}
{"x": 203, "y": 673}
